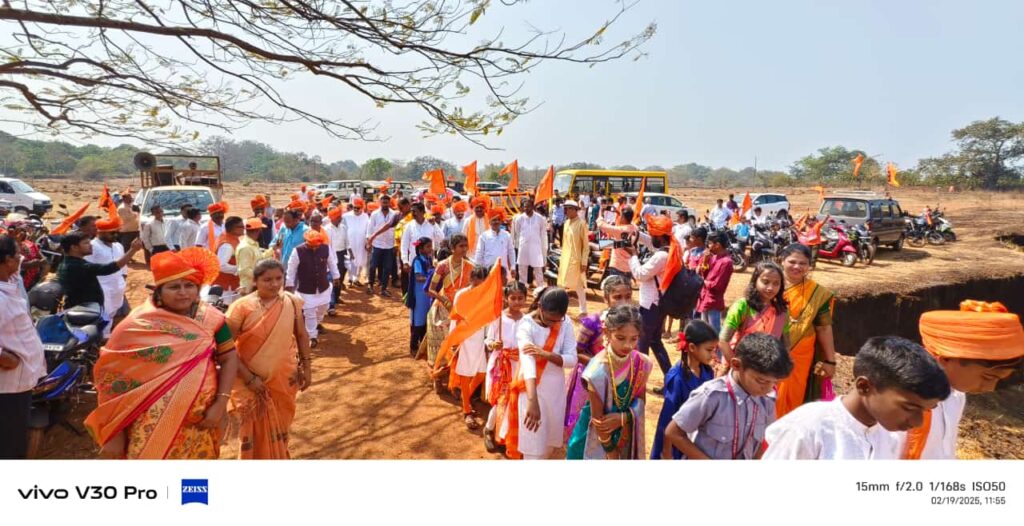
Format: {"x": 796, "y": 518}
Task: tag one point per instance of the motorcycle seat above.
{"x": 84, "y": 314}
{"x": 90, "y": 334}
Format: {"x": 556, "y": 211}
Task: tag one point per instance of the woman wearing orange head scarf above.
{"x": 811, "y": 346}
{"x": 274, "y": 363}
{"x": 160, "y": 393}
{"x": 977, "y": 346}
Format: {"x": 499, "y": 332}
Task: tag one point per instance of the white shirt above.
{"x": 945, "y": 426}
{"x": 551, "y": 393}
{"x": 338, "y": 235}
{"x": 18, "y": 336}
{"x": 646, "y": 273}
{"x": 827, "y": 430}
{"x": 454, "y": 226}
{"x": 202, "y": 236}
{"x": 681, "y": 231}
{"x": 114, "y": 284}
{"x": 413, "y": 232}
{"x": 224, "y": 254}
{"x": 493, "y": 245}
{"x": 153, "y": 234}
{"x": 530, "y": 235}
{"x": 719, "y": 216}
{"x": 172, "y": 227}
{"x": 387, "y": 238}
{"x": 187, "y": 234}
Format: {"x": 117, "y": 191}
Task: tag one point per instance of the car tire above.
{"x": 22, "y": 210}
{"x": 898, "y": 245}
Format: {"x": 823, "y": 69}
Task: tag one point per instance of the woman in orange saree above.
{"x": 273, "y": 353}
{"x": 164, "y": 377}
{"x": 811, "y": 346}
{"x": 449, "y": 277}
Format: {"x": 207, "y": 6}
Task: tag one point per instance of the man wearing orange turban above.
{"x": 654, "y": 276}
{"x": 357, "y": 223}
{"x": 313, "y": 274}
{"x": 337, "y": 232}
{"x": 266, "y": 234}
{"x": 977, "y": 346}
{"x": 211, "y": 229}
{"x": 476, "y": 224}
{"x": 495, "y": 243}
{"x": 106, "y": 249}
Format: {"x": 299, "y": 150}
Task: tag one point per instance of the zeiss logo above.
{"x": 195, "y": 490}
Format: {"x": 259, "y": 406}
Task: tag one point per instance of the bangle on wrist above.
{"x": 829, "y": 362}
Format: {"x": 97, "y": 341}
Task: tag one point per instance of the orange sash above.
{"x": 211, "y": 239}
{"x": 917, "y": 438}
{"x": 518, "y": 387}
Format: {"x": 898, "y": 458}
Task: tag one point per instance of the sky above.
{"x": 722, "y": 83}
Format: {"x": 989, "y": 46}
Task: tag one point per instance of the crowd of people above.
{"x": 753, "y": 381}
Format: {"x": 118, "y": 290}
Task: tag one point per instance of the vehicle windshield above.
{"x": 839, "y": 207}
{"x": 562, "y": 183}
{"x": 21, "y": 187}
{"x": 171, "y": 201}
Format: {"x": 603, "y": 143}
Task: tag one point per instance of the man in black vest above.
{"x": 313, "y": 274}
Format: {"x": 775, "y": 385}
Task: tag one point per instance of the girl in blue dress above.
{"x": 698, "y": 343}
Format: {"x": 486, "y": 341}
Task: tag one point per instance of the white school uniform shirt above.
{"x": 18, "y": 336}
{"x": 493, "y": 245}
{"x": 472, "y": 355}
{"x": 338, "y": 236}
{"x": 531, "y": 237}
{"x": 114, "y": 284}
{"x": 173, "y": 229}
{"x": 550, "y": 388}
{"x": 827, "y": 430}
{"x": 202, "y": 236}
{"x": 412, "y": 232}
{"x": 945, "y": 426}
{"x": 504, "y": 330}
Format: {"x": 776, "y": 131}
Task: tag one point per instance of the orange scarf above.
{"x": 917, "y": 438}
{"x": 211, "y": 239}
{"x": 471, "y": 235}
{"x": 518, "y": 387}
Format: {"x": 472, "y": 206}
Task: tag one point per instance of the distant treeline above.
{"x": 989, "y": 155}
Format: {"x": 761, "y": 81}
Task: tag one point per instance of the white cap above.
{"x": 571, "y": 203}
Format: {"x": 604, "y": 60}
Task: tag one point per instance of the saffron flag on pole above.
{"x": 857, "y": 161}
{"x": 639, "y": 206}
{"x": 513, "y": 171}
{"x": 735, "y": 219}
{"x": 747, "y": 204}
{"x": 890, "y": 169}
{"x": 65, "y": 225}
{"x": 546, "y": 188}
{"x": 436, "y": 178}
{"x": 470, "y": 171}
{"x": 473, "y": 310}
{"x": 821, "y": 192}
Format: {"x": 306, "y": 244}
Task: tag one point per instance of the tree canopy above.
{"x": 156, "y": 70}
{"x": 990, "y": 154}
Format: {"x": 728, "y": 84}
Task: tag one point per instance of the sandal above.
{"x": 489, "y": 444}
{"x": 471, "y": 422}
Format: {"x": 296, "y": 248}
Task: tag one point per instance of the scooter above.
{"x": 834, "y": 245}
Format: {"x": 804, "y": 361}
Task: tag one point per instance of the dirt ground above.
{"x": 369, "y": 400}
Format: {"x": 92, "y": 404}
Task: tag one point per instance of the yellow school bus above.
{"x": 609, "y": 182}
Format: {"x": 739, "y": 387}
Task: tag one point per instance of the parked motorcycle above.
{"x": 919, "y": 233}
{"x": 860, "y": 236}
{"x": 833, "y": 244}
{"x": 943, "y": 225}
{"x": 71, "y": 342}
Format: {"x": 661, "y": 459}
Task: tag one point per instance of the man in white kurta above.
{"x": 414, "y": 230}
{"x": 827, "y": 430}
{"x": 337, "y": 232}
{"x": 530, "y": 233}
{"x": 494, "y": 244}
{"x": 550, "y": 390}
{"x": 357, "y": 224}
{"x": 315, "y": 304}
{"x": 106, "y": 249}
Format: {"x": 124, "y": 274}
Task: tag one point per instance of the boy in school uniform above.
{"x": 895, "y": 382}
{"x": 726, "y": 418}
{"x": 977, "y": 346}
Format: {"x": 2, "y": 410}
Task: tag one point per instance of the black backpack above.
{"x": 679, "y": 300}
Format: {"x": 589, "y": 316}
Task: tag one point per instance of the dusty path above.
{"x": 370, "y": 400}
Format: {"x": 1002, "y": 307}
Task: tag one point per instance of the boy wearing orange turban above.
{"x": 977, "y": 346}
{"x": 337, "y": 232}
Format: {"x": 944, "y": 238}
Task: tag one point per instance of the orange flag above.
{"x": 436, "y": 178}
{"x": 890, "y": 169}
{"x": 105, "y": 199}
{"x": 546, "y": 188}
{"x": 513, "y": 183}
{"x": 473, "y": 310}
{"x": 639, "y": 206}
{"x": 65, "y": 225}
{"x": 735, "y": 220}
{"x": 470, "y": 171}
{"x": 747, "y": 204}
{"x": 821, "y": 192}
{"x": 857, "y": 161}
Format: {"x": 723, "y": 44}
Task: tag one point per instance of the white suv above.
{"x": 770, "y": 204}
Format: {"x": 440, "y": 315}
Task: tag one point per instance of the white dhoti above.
{"x": 314, "y": 308}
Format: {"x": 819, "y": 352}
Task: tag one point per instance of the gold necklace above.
{"x": 617, "y": 401}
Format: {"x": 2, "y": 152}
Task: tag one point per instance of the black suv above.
{"x": 881, "y": 215}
